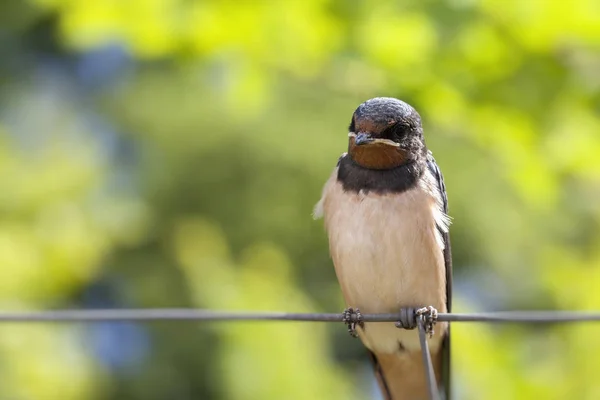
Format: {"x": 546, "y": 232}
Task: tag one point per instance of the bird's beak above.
{"x": 362, "y": 138}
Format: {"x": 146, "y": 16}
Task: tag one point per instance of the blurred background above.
{"x": 168, "y": 153}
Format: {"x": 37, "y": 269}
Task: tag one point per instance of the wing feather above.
{"x": 441, "y": 187}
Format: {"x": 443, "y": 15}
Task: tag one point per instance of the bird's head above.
{"x": 385, "y": 133}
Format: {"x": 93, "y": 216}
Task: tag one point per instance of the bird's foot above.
{"x": 352, "y": 317}
{"x": 429, "y": 317}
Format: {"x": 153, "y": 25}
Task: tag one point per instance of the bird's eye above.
{"x": 395, "y": 133}
{"x": 398, "y": 133}
{"x": 351, "y": 127}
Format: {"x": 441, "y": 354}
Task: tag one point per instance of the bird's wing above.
{"x": 383, "y": 385}
{"x": 441, "y": 187}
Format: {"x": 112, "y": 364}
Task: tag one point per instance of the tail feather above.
{"x": 446, "y": 367}
{"x": 385, "y": 390}
{"x": 401, "y": 376}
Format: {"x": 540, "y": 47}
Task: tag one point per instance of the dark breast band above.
{"x": 355, "y": 178}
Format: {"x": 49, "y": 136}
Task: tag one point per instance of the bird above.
{"x": 385, "y": 211}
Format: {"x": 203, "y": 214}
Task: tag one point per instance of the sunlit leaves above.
{"x": 244, "y": 123}
{"x": 55, "y": 236}
{"x": 543, "y": 26}
{"x": 398, "y": 40}
{"x": 487, "y": 54}
{"x": 267, "y": 361}
{"x": 46, "y": 362}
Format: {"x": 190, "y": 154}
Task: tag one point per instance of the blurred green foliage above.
{"x": 169, "y": 153}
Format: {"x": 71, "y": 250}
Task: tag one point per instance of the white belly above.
{"x": 387, "y": 254}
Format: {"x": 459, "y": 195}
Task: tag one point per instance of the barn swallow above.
{"x": 385, "y": 213}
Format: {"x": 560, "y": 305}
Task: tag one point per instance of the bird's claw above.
{"x": 429, "y": 317}
{"x": 352, "y": 317}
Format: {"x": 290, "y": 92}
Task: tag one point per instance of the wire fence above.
{"x": 199, "y": 315}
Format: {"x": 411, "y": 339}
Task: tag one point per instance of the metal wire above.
{"x": 537, "y": 317}
{"x": 427, "y": 364}
{"x": 189, "y": 314}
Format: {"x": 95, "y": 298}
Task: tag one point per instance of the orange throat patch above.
{"x": 377, "y": 155}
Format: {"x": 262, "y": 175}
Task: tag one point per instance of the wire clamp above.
{"x": 407, "y": 319}
{"x": 429, "y": 317}
{"x": 352, "y": 317}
